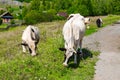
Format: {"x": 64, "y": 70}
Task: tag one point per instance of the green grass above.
{"x": 3, "y": 25}
{"x": 47, "y": 65}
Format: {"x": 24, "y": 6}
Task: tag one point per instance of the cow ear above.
{"x": 62, "y": 49}
{"x": 70, "y": 16}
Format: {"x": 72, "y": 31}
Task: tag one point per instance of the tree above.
{"x": 47, "y": 9}
{"x": 35, "y": 5}
{"x": 116, "y": 6}
{"x": 32, "y": 17}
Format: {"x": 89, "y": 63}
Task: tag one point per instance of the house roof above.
{"x": 6, "y": 15}
{"x": 64, "y": 14}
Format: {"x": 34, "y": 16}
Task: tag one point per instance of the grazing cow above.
{"x": 30, "y": 39}
{"x": 99, "y": 22}
{"x": 73, "y": 32}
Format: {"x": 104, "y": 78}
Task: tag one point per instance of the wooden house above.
{"x": 6, "y": 17}
{"x": 63, "y": 14}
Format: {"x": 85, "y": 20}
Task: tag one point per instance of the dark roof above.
{"x": 6, "y": 15}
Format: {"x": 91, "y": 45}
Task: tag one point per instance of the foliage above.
{"x": 48, "y": 9}
{"x": 12, "y": 21}
{"x": 1, "y": 12}
{"x": 9, "y": 9}
{"x": 84, "y": 7}
{"x": 0, "y": 21}
{"x": 32, "y": 17}
{"x": 116, "y": 6}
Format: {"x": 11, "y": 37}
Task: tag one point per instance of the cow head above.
{"x": 68, "y": 53}
{"x": 87, "y": 20}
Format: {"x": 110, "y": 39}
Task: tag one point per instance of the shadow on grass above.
{"x": 86, "y": 53}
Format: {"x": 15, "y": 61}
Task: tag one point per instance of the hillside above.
{"x": 47, "y": 65}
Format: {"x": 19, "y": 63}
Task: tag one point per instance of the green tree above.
{"x": 32, "y": 17}
{"x": 47, "y": 9}
{"x": 116, "y": 6}
{"x": 35, "y": 5}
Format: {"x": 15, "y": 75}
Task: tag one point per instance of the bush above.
{"x": 59, "y": 17}
{"x": 12, "y": 21}
{"x": 32, "y": 17}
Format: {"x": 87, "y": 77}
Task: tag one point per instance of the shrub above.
{"x": 59, "y": 17}
{"x": 32, "y": 17}
{"x": 12, "y": 21}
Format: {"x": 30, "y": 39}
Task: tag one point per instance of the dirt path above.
{"x": 107, "y": 41}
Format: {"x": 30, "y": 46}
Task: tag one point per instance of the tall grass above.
{"x": 47, "y": 65}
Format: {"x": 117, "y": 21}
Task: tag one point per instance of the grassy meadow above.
{"x": 47, "y": 65}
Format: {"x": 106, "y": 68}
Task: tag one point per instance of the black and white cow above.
{"x": 99, "y": 22}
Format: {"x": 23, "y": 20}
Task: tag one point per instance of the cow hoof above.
{"x": 24, "y": 51}
{"x": 64, "y": 64}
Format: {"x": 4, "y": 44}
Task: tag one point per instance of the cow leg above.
{"x": 67, "y": 58}
{"x": 33, "y": 52}
{"x": 65, "y": 45}
{"x": 80, "y": 46}
{"x": 75, "y": 58}
{"x": 24, "y": 48}
{"x": 32, "y": 48}
{"x": 81, "y": 53}
{"x": 29, "y": 50}
{"x": 64, "y": 57}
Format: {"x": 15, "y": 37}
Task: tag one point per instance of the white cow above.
{"x": 30, "y": 39}
{"x": 73, "y": 32}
